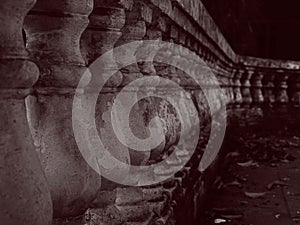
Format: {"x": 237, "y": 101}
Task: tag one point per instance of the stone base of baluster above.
{"x": 128, "y": 205}
{"x": 69, "y": 221}
{"x": 24, "y": 195}
{"x": 175, "y": 201}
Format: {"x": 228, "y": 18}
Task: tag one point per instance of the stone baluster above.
{"x": 24, "y": 194}
{"x": 54, "y": 29}
{"x": 104, "y": 30}
{"x": 281, "y": 95}
{"x": 268, "y": 89}
{"x": 295, "y": 89}
{"x": 174, "y": 34}
{"x": 230, "y": 87}
{"x": 128, "y": 199}
{"x": 229, "y": 91}
{"x": 256, "y": 89}
{"x": 170, "y": 33}
{"x": 153, "y": 32}
{"x": 238, "y": 99}
{"x": 134, "y": 30}
{"x": 107, "y": 21}
{"x": 245, "y": 88}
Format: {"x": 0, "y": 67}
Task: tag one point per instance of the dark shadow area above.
{"x": 259, "y": 177}
{"x": 267, "y": 29}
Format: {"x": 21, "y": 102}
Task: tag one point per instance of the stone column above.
{"x": 268, "y": 89}
{"x": 256, "y": 89}
{"x": 295, "y": 89}
{"x": 128, "y": 203}
{"x": 153, "y": 32}
{"x": 245, "y": 88}
{"x": 281, "y": 96}
{"x": 231, "y": 80}
{"x": 171, "y": 33}
{"x": 54, "y": 29}
{"x": 135, "y": 30}
{"x": 24, "y": 194}
{"x": 229, "y": 91}
{"x": 238, "y": 99}
{"x": 104, "y": 30}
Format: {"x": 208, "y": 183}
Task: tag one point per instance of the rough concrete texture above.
{"x": 63, "y": 38}
{"x": 24, "y": 193}
{"x": 53, "y": 43}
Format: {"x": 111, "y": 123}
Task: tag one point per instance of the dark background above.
{"x": 262, "y": 28}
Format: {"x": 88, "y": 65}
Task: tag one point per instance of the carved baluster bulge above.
{"x": 268, "y": 89}
{"x": 135, "y": 30}
{"x": 54, "y": 29}
{"x": 245, "y": 88}
{"x": 24, "y": 194}
{"x": 238, "y": 99}
{"x": 256, "y": 89}
{"x": 294, "y": 86}
{"x": 281, "y": 95}
{"x": 231, "y": 75}
{"x": 104, "y": 30}
{"x": 131, "y": 203}
{"x": 166, "y": 111}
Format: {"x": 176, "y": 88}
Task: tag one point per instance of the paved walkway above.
{"x": 260, "y": 182}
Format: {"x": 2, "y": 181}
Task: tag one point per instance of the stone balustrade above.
{"x": 64, "y": 38}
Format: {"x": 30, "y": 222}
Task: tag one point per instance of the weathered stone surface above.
{"x": 104, "y": 30}
{"x": 24, "y": 194}
{"x": 55, "y": 42}
{"x": 281, "y": 88}
{"x": 54, "y": 29}
{"x": 256, "y": 91}
{"x": 268, "y": 89}
{"x": 237, "y": 88}
{"x": 294, "y": 84}
{"x": 245, "y": 88}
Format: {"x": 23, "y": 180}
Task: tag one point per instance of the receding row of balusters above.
{"x": 63, "y": 38}
{"x": 272, "y": 88}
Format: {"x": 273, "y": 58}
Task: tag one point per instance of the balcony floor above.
{"x": 260, "y": 182}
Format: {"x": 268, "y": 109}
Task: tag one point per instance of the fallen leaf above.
{"x": 286, "y": 179}
{"x": 277, "y": 216}
{"x": 255, "y": 194}
{"x": 248, "y": 164}
{"x": 232, "y": 154}
{"x": 293, "y": 144}
{"x": 232, "y": 217}
{"x": 218, "y": 183}
{"x": 285, "y": 161}
{"x": 243, "y": 202}
{"x": 242, "y": 179}
{"x": 218, "y": 221}
{"x": 276, "y": 183}
{"x": 233, "y": 183}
